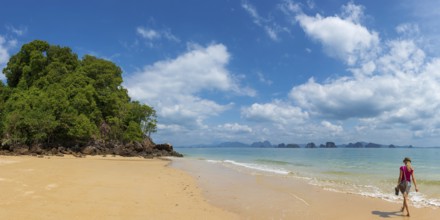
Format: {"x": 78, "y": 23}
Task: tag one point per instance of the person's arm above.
{"x": 414, "y": 181}
{"x": 400, "y": 177}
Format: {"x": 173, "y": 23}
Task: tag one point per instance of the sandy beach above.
{"x": 99, "y": 188}
{"x": 136, "y": 188}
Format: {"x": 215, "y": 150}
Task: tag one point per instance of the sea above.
{"x": 370, "y": 172}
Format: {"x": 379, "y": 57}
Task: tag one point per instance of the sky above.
{"x": 287, "y": 71}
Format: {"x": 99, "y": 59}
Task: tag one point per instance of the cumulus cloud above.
{"x": 276, "y": 112}
{"x": 394, "y": 89}
{"x": 404, "y": 91}
{"x": 234, "y": 128}
{"x": 173, "y": 87}
{"x": 334, "y": 129}
{"x": 342, "y": 36}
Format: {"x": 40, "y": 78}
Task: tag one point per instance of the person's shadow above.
{"x": 387, "y": 214}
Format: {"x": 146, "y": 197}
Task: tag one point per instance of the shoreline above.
{"x": 97, "y": 187}
{"x": 256, "y": 196}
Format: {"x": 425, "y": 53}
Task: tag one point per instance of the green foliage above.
{"x": 52, "y": 97}
{"x": 133, "y": 132}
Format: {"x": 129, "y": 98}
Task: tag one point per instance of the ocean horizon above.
{"x": 370, "y": 172}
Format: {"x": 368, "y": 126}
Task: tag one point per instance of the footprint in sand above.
{"x": 51, "y": 186}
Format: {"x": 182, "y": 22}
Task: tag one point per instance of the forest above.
{"x": 53, "y": 98}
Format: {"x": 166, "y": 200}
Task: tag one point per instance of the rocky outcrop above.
{"x": 147, "y": 148}
{"x": 311, "y": 145}
{"x": 328, "y": 145}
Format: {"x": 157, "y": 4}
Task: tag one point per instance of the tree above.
{"x": 52, "y": 97}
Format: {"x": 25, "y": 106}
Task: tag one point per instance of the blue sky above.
{"x": 247, "y": 70}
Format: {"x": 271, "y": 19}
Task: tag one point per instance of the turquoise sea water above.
{"x": 364, "y": 171}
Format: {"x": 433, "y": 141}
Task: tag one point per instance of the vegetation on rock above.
{"x": 52, "y": 98}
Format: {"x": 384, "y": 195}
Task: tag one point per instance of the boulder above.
{"x": 89, "y": 150}
{"x": 167, "y": 147}
{"x": 21, "y": 150}
{"x": 36, "y": 149}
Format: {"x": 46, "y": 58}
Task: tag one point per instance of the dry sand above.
{"x": 99, "y": 188}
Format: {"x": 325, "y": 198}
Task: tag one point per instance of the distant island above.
{"x": 329, "y": 144}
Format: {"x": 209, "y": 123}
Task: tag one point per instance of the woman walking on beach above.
{"x": 404, "y": 182}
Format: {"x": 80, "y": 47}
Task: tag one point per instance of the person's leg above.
{"x": 405, "y": 202}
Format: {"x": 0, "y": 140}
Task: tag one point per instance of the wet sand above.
{"x": 99, "y": 188}
{"x": 256, "y": 196}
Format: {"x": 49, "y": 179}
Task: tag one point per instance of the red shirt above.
{"x": 406, "y": 173}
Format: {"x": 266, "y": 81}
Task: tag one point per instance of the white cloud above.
{"x": 408, "y": 29}
{"x": 290, "y": 8}
{"x": 173, "y": 87}
{"x": 271, "y": 28}
{"x": 404, "y": 91}
{"x": 148, "y": 33}
{"x": 334, "y": 129}
{"x": 17, "y": 31}
{"x": 346, "y": 97}
{"x": 151, "y": 35}
{"x": 4, "y": 54}
{"x": 352, "y": 12}
{"x": 276, "y": 111}
{"x": 403, "y": 58}
{"x": 342, "y": 36}
{"x": 262, "y": 79}
{"x": 5, "y": 47}
{"x": 234, "y": 128}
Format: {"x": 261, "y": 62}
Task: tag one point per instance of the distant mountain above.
{"x": 267, "y": 144}
{"x": 233, "y": 144}
{"x": 374, "y": 145}
{"x": 261, "y": 144}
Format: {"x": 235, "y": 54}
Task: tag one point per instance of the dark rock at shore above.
{"x": 147, "y": 149}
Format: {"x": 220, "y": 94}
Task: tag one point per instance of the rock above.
{"x": 36, "y": 149}
{"x": 330, "y": 145}
{"x": 21, "y": 150}
{"x": 167, "y": 147}
{"x": 311, "y": 145}
{"x": 146, "y": 148}
{"x": 372, "y": 145}
{"x": 89, "y": 150}
{"x": 54, "y": 151}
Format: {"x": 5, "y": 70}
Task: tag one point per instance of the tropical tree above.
{"x": 52, "y": 97}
